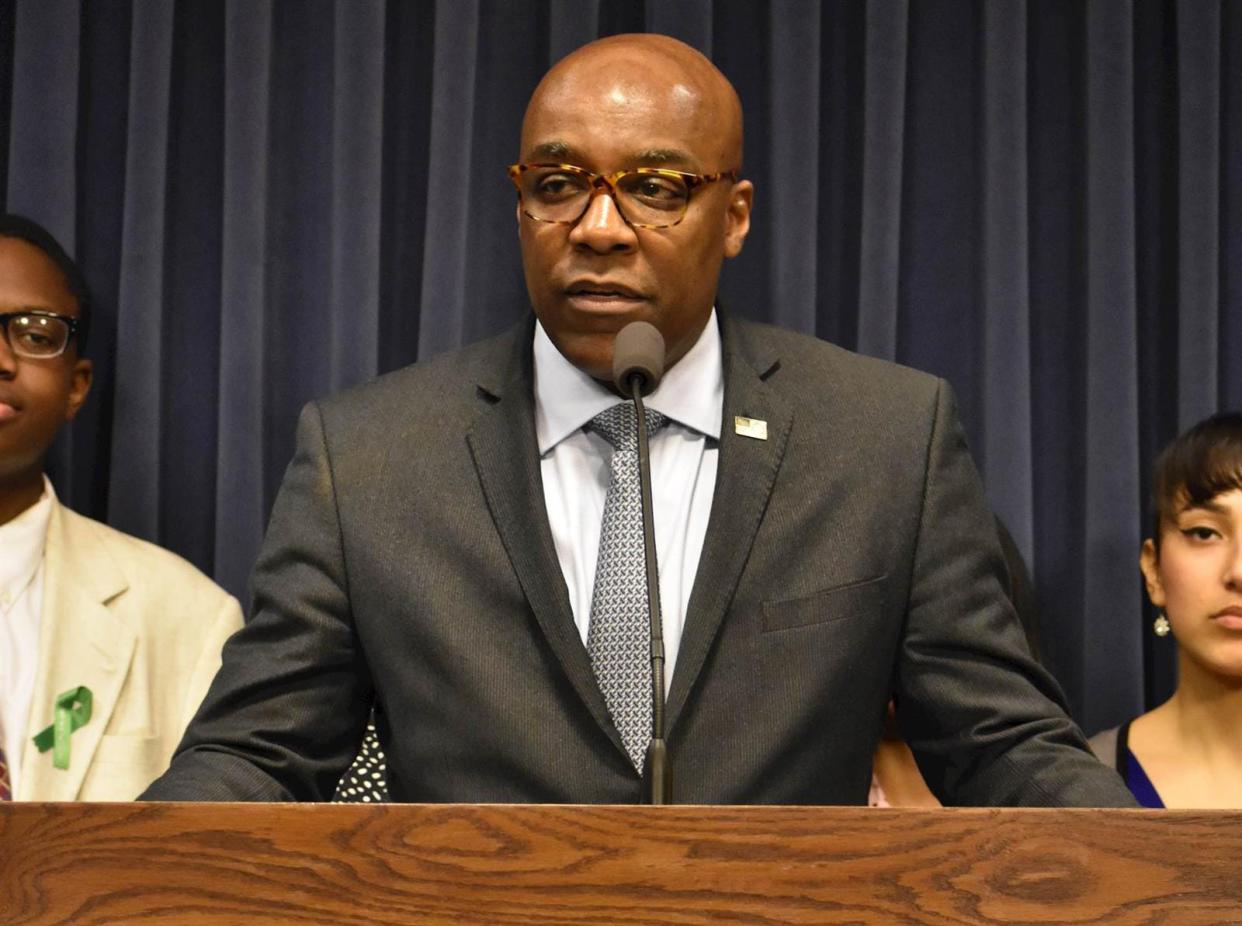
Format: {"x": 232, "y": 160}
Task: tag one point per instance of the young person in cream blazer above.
{"x": 84, "y": 608}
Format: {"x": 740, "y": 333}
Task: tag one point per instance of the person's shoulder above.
{"x": 146, "y": 567}
{"x": 1104, "y": 745}
{"x": 449, "y": 378}
{"x": 809, "y": 365}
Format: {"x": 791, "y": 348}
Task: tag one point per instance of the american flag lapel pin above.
{"x": 750, "y": 427}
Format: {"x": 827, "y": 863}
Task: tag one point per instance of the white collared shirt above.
{"x": 22, "y": 543}
{"x": 574, "y": 464}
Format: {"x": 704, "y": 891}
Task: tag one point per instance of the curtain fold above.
{"x": 357, "y": 151}
{"x": 883, "y": 153}
{"x": 1230, "y": 269}
{"x": 445, "y": 262}
{"x": 687, "y": 20}
{"x": 1112, "y": 500}
{"x": 793, "y": 138}
{"x": 240, "y": 499}
{"x": 939, "y": 309}
{"x": 1006, "y": 453}
{"x": 1198, "y": 88}
{"x": 135, "y": 473}
{"x": 572, "y": 23}
{"x": 42, "y": 131}
{"x": 43, "y": 118}
{"x": 277, "y": 199}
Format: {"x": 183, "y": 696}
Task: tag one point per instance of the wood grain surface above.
{"x": 192, "y": 864}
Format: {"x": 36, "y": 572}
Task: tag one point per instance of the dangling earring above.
{"x": 1161, "y": 625}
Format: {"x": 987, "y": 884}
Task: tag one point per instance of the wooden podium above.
{"x": 192, "y": 864}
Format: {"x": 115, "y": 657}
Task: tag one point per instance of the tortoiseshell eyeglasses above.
{"x": 646, "y": 197}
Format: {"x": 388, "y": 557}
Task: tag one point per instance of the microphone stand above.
{"x": 657, "y": 773}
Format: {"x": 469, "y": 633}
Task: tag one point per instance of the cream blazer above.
{"x": 141, "y": 628}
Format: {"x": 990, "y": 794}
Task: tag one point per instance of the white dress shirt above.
{"x": 22, "y": 542}
{"x": 574, "y": 464}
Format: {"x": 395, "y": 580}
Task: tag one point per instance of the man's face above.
{"x": 617, "y": 110}
{"x": 36, "y": 396}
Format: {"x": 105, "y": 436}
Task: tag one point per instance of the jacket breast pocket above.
{"x": 123, "y": 766}
{"x": 838, "y": 603}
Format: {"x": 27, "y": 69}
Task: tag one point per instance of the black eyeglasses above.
{"x": 38, "y": 335}
{"x": 646, "y": 197}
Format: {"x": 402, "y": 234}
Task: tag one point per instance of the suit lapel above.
{"x": 506, "y": 454}
{"x": 746, "y": 472}
{"x": 80, "y": 643}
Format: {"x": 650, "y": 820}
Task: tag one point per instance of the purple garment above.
{"x": 1135, "y": 775}
{"x": 1139, "y": 784}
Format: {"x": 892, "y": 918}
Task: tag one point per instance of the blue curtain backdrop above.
{"x": 275, "y": 199}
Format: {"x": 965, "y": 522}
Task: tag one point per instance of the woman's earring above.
{"x": 1161, "y": 625}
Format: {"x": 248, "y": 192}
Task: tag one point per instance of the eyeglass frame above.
{"x": 609, "y": 186}
{"x": 70, "y": 322}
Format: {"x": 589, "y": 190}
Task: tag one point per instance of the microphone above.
{"x": 639, "y": 351}
{"x": 637, "y": 365}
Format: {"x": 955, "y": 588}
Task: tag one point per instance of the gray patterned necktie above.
{"x": 619, "y": 635}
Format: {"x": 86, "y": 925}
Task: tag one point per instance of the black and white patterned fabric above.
{"x": 618, "y": 637}
{"x": 366, "y": 782}
{"x": 6, "y": 792}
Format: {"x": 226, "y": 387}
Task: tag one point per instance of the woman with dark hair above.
{"x": 1188, "y": 751}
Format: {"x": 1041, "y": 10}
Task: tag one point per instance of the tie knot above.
{"x": 619, "y": 425}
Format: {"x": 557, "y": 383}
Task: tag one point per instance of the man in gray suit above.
{"x": 822, "y": 534}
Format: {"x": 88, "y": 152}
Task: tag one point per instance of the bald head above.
{"x": 655, "y": 71}
{"x": 654, "y": 111}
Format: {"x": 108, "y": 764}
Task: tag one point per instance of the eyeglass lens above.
{"x": 645, "y": 199}
{"x": 36, "y": 335}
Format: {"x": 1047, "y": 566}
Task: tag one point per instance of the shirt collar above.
{"x": 23, "y": 540}
{"x": 690, "y": 393}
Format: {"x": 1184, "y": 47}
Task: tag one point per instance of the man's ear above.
{"x": 1149, "y": 562}
{"x": 83, "y": 373}
{"x": 737, "y": 217}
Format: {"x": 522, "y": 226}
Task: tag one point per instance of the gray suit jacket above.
{"x": 849, "y": 556}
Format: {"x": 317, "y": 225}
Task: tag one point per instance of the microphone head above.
{"x": 639, "y": 349}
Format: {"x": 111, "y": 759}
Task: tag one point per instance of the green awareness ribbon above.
{"x": 72, "y": 710}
